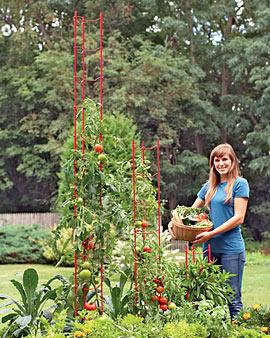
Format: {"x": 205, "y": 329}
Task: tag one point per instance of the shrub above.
{"x": 246, "y": 333}
{"x": 102, "y": 327}
{"x": 61, "y": 250}
{"x": 182, "y": 330}
{"x": 20, "y": 244}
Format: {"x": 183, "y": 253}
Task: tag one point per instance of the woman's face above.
{"x": 223, "y": 165}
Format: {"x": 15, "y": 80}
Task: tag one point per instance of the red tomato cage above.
{"x": 79, "y": 53}
{"x": 140, "y": 206}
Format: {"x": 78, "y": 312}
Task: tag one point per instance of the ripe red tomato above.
{"x": 201, "y": 217}
{"x": 147, "y": 249}
{"x": 162, "y": 300}
{"x": 144, "y": 223}
{"x": 90, "y": 307}
{"x": 154, "y": 298}
{"x": 157, "y": 281}
{"x": 163, "y": 307}
{"x": 98, "y": 148}
{"x": 159, "y": 289}
{"x": 90, "y": 245}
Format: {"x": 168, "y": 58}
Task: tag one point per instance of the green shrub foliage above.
{"x": 20, "y": 244}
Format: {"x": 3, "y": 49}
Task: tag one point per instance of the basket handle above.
{"x": 170, "y": 229}
{"x": 176, "y": 217}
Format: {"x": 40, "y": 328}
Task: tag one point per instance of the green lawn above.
{"x": 15, "y": 271}
{"x": 255, "y": 283}
{"x": 256, "y": 280}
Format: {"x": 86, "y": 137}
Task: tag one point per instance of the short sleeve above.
{"x": 241, "y": 188}
{"x": 201, "y": 194}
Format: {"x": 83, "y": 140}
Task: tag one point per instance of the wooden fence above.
{"x": 46, "y": 219}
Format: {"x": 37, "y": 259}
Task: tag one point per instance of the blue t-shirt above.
{"x": 230, "y": 241}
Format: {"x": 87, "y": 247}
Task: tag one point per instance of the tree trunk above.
{"x": 199, "y": 143}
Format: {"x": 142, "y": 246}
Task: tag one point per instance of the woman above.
{"x": 226, "y": 194}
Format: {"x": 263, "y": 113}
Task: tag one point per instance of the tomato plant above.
{"x": 103, "y": 198}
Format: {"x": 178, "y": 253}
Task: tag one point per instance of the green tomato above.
{"x": 172, "y": 306}
{"x": 86, "y": 265}
{"x": 85, "y": 274}
{"x": 102, "y": 157}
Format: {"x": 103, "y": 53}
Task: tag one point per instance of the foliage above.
{"x": 201, "y": 281}
{"x": 52, "y": 328}
{"x": 29, "y": 250}
{"x": 103, "y": 197}
{"x": 256, "y": 316}
{"x": 118, "y": 298}
{"x": 247, "y": 333}
{"x": 183, "y": 329}
{"x": 193, "y": 74}
{"x": 33, "y": 103}
{"x": 134, "y": 326}
{"x": 61, "y": 250}
{"x": 214, "y": 317}
{"x": 26, "y": 315}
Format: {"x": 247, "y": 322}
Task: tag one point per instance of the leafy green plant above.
{"x": 26, "y": 314}
{"x": 29, "y": 250}
{"x": 127, "y": 326}
{"x": 214, "y": 317}
{"x": 118, "y": 300}
{"x": 246, "y": 333}
{"x": 182, "y": 329}
{"x": 255, "y": 316}
{"x": 98, "y": 226}
{"x": 101, "y": 327}
{"x": 61, "y": 252}
{"x": 158, "y": 277}
{"x": 204, "y": 280}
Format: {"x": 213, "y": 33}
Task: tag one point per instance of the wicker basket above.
{"x": 184, "y": 232}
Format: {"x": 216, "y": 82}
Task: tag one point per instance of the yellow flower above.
{"x": 246, "y": 315}
{"x": 234, "y": 322}
{"x": 256, "y": 306}
{"x": 264, "y": 329}
{"x": 78, "y": 334}
{"x": 86, "y": 331}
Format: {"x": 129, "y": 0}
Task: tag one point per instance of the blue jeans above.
{"x": 234, "y": 264}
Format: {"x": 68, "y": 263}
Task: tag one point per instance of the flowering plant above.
{"x": 255, "y": 316}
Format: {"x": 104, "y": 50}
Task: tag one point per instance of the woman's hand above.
{"x": 203, "y": 237}
{"x": 170, "y": 226}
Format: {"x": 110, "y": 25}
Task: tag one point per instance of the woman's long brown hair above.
{"x": 214, "y": 176}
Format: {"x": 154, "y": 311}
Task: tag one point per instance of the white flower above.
{"x": 6, "y": 30}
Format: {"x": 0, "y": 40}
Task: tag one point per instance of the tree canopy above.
{"x": 191, "y": 73}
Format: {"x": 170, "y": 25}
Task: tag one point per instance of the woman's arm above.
{"x": 240, "y": 208}
{"x": 198, "y": 203}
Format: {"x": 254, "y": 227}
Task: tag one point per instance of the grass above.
{"x": 15, "y": 271}
{"x": 255, "y": 281}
